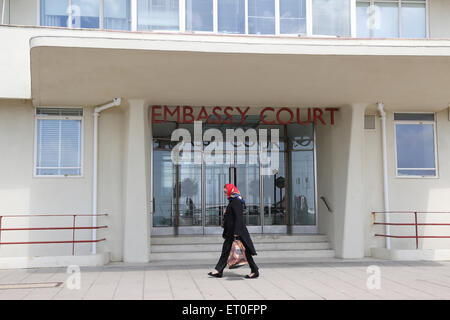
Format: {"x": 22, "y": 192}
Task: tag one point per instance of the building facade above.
{"x": 91, "y": 92}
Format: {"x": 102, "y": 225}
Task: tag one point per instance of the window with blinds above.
{"x": 58, "y": 142}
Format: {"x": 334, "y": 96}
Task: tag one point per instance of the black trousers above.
{"x": 226, "y": 248}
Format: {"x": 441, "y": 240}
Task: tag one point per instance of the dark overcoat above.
{"x": 233, "y": 223}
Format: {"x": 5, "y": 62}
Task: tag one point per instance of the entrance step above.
{"x": 193, "y": 247}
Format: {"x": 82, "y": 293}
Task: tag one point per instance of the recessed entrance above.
{"x": 188, "y": 198}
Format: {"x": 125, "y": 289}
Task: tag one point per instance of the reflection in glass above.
{"x": 387, "y": 17}
{"x": 261, "y": 17}
{"x": 363, "y": 19}
{"x": 247, "y": 181}
{"x": 302, "y": 174}
{"x": 231, "y": 16}
{"x": 54, "y": 13}
{"x": 293, "y": 16}
{"x": 85, "y": 14}
{"x": 415, "y": 149}
{"x": 217, "y": 175}
{"x": 190, "y": 195}
{"x": 117, "y": 15}
{"x": 413, "y": 20}
{"x": 275, "y": 195}
{"x": 331, "y": 17}
{"x": 199, "y": 15}
{"x": 164, "y": 185}
{"x": 158, "y": 15}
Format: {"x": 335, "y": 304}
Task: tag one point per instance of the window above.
{"x": 415, "y": 144}
{"x": 158, "y": 14}
{"x": 231, "y": 16}
{"x": 293, "y": 16}
{"x": 261, "y": 17}
{"x": 391, "y": 18}
{"x": 54, "y": 13}
{"x": 85, "y": 14}
{"x": 117, "y": 14}
{"x": 58, "y": 142}
{"x": 199, "y": 15}
{"x": 331, "y": 17}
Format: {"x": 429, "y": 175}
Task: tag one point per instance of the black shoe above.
{"x": 216, "y": 275}
{"x": 254, "y": 276}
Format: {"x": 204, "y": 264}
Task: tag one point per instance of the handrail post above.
{"x": 73, "y": 236}
{"x": 417, "y": 236}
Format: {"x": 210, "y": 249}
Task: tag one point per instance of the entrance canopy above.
{"x": 211, "y": 70}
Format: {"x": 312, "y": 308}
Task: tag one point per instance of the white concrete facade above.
{"x": 57, "y": 67}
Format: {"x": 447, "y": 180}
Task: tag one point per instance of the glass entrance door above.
{"x": 188, "y": 198}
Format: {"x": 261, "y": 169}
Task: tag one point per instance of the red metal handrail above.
{"x": 415, "y": 224}
{"x": 74, "y": 227}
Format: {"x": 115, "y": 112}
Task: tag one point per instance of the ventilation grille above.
{"x": 369, "y": 122}
{"x": 414, "y": 116}
{"x": 62, "y": 112}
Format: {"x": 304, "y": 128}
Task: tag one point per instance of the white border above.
{"x": 40, "y": 117}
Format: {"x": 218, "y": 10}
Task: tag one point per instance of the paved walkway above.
{"x": 318, "y": 279}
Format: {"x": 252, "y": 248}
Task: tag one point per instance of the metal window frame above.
{"x": 262, "y": 228}
{"x": 35, "y": 151}
{"x": 215, "y": 31}
{"x": 101, "y": 15}
{"x": 399, "y": 2}
{"x": 436, "y": 154}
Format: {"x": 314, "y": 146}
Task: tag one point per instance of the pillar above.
{"x": 136, "y": 247}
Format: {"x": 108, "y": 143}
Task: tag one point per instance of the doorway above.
{"x": 189, "y": 198}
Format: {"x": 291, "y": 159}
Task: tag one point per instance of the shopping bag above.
{"x": 237, "y": 257}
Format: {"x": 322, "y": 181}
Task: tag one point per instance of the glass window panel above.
{"x": 231, "y": 16}
{"x": 415, "y": 146}
{"x": 217, "y": 175}
{"x": 247, "y": 182}
{"x": 117, "y": 15}
{"x": 300, "y": 137}
{"x": 190, "y": 197}
{"x": 363, "y": 20}
{"x": 275, "y": 195}
{"x": 293, "y": 16}
{"x": 70, "y": 143}
{"x": 54, "y": 13}
{"x": 302, "y": 188}
{"x": 331, "y": 17}
{"x": 58, "y": 149}
{"x": 431, "y": 173}
{"x": 261, "y": 17}
{"x": 158, "y": 15}
{"x": 164, "y": 190}
{"x": 199, "y": 15}
{"x": 386, "y": 20}
{"x": 413, "y": 20}
{"x": 85, "y": 14}
{"x": 48, "y": 143}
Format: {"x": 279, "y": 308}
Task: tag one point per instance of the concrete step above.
{"x": 256, "y": 238}
{"x": 192, "y": 256}
{"x": 260, "y": 246}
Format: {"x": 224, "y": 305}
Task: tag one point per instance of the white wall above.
{"x": 439, "y": 13}
{"x": 21, "y": 193}
{"x": 24, "y": 12}
{"x": 421, "y": 194}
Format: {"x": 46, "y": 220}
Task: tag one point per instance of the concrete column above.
{"x": 136, "y": 246}
{"x": 353, "y": 226}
